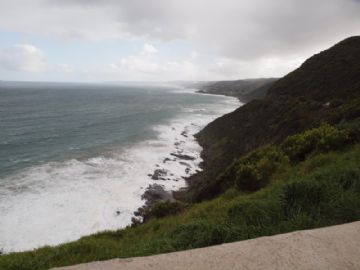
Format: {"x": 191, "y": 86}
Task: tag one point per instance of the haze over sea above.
{"x": 76, "y": 158}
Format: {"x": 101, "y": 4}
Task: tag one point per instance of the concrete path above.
{"x": 336, "y": 247}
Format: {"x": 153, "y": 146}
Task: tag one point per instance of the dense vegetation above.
{"x": 284, "y": 163}
{"x": 326, "y": 88}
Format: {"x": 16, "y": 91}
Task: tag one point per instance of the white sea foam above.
{"x": 62, "y": 201}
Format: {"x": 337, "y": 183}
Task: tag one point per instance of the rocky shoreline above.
{"x": 156, "y": 192}
{"x": 189, "y": 161}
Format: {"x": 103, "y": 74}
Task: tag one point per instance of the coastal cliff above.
{"x": 326, "y": 88}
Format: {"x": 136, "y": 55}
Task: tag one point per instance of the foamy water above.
{"x": 60, "y": 201}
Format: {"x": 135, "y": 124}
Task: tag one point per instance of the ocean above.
{"x": 76, "y": 158}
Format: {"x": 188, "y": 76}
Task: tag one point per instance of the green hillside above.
{"x": 326, "y": 88}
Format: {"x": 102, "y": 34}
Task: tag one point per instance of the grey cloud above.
{"x": 232, "y": 28}
{"x": 246, "y": 29}
{"x": 240, "y": 30}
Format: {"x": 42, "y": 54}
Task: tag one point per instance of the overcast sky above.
{"x": 117, "y": 40}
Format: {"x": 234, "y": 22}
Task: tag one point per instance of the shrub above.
{"x": 330, "y": 138}
{"x": 256, "y": 213}
{"x": 199, "y": 234}
{"x": 323, "y": 138}
{"x": 302, "y": 197}
{"x": 353, "y": 128}
{"x": 248, "y": 173}
{"x": 346, "y": 208}
{"x": 255, "y": 170}
{"x": 231, "y": 193}
{"x": 300, "y": 221}
{"x": 248, "y": 177}
{"x": 330, "y": 193}
{"x": 163, "y": 209}
{"x": 349, "y": 179}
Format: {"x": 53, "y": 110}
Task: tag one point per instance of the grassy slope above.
{"x": 321, "y": 190}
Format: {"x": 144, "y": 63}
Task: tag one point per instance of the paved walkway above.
{"x": 336, "y": 247}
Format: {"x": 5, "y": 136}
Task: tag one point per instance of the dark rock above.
{"x": 185, "y": 164}
{"x": 158, "y": 174}
{"x": 182, "y": 156}
{"x": 155, "y": 193}
{"x": 139, "y": 212}
{"x": 135, "y": 222}
{"x": 166, "y": 160}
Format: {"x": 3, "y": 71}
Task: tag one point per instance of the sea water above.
{"x": 76, "y": 158}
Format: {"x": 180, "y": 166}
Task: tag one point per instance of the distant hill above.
{"x": 326, "y": 88}
{"x": 246, "y": 90}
